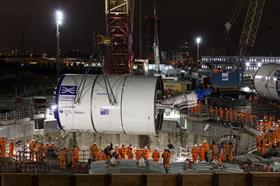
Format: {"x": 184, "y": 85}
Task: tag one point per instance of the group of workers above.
{"x": 123, "y": 152}
{"x": 268, "y": 140}
{"x": 221, "y": 152}
{"x": 129, "y": 152}
{"x": 3, "y": 147}
{"x": 40, "y": 150}
{"x": 75, "y": 156}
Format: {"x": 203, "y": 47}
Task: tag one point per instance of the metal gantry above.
{"x": 119, "y": 27}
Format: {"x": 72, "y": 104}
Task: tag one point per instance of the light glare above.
{"x": 59, "y": 17}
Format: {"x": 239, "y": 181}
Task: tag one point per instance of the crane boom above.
{"x": 119, "y": 27}
{"x": 251, "y": 27}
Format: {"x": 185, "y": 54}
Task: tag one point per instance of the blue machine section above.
{"x": 57, "y": 92}
{"x": 277, "y": 76}
{"x": 227, "y": 79}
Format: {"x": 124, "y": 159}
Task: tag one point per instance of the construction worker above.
{"x": 146, "y": 153}
{"x": 201, "y": 153}
{"x": 102, "y": 156}
{"x": 3, "y": 147}
{"x": 46, "y": 149}
{"x": 268, "y": 168}
{"x": 195, "y": 153}
{"x": 117, "y": 152}
{"x": 107, "y": 151}
{"x": 214, "y": 149}
{"x": 224, "y": 151}
{"x": 230, "y": 152}
{"x": 123, "y": 152}
{"x": 63, "y": 158}
{"x": 11, "y": 148}
{"x": 220, "y": 159}
{"x": 259, "y": 140}
{"x": 156, "y": 155}
{"x": 31, "y": 147}
{"x": 74, "y": 158}
{"x": 206, "y": 150}
{"x": 77, "y": 151}
{"x": 166, "y": 155}
{"x": 138, "y": 154}
{"x": 264, "y": 143}
{"x": 38, "y": 151}
{"x": 129, "y": 152}
{"x": 94, "y": 151}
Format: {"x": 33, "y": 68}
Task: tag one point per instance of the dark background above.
{"x": 179, "y": 20}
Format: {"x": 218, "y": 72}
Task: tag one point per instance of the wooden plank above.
{"x": 197, "y": 179}
{"x": 126, "y": 179}
{"x": 89, "y": 180}
{"x": 232, "y": 179}
{"x": 53, "y": 180}
{"x": 16, "y": 180}
{"x": 266, "y": 179}
{"x": 161, "y": 180}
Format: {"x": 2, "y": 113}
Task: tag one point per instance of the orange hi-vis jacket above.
{"x": 156, "y": 155}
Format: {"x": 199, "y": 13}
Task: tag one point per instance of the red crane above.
{"x": 119, "y": 27}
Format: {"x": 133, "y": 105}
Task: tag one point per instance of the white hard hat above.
{"x": 204, "y": 141}
{"x": 195, "y": 145}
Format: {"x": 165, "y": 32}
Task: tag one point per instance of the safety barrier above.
{"x": 202, "y": 179}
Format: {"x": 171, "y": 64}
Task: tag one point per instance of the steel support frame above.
{"x": 118, "y": 28}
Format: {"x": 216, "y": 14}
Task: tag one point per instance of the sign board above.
{"x": 67, "y": 93}
{"x": 225, "y": 76}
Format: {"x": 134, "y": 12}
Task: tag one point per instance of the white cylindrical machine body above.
{"x": 267, "y": 81}
{"x": 133, "y": 113}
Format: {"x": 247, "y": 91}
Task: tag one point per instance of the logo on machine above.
{"x": 68, "y": 92}
{"x": 104, "y": 111}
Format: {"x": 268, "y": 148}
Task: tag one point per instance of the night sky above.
{"x": 180, "y": 20}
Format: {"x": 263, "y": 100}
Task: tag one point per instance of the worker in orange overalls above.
{"x": 3, "y": 147}
{"x": 166, "y": 155}
{"x": 11, "y": 148}
{"x": 123, "y": 152}
{"x": 264, "y": 143}
{"x": 46, "y": 149}
{"x": 230, "y": 152}
{"x": 221, "y": 114}
{"x": 129, "y": 152}
{"x": 220, "y": 159}
{"x": 227, "y": 115}
{"x": 259, "y": 140}
{"x": 38, "y": 151}
{"x": 230, "y": 115}
{"x": 63, "y": 158}
{"x": 201, "y": 153}
{"x": 156, "y": 155}
{"x": 31, "y": 147}
{"x": 74, "y": 158}
{"x": 214, "y": 149}
{"x": 194, "y": 153}
{"x": 146, "y": 153}
{"x": 117, "y": 152}
{"x": 101, "y": 155}
{"x": 224, "y": 151}
{"x": 94, "y": 151}
{"x": 206, "y": 150}
{"x": 138, "y": 154}
{"x": 235, "y": 116}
